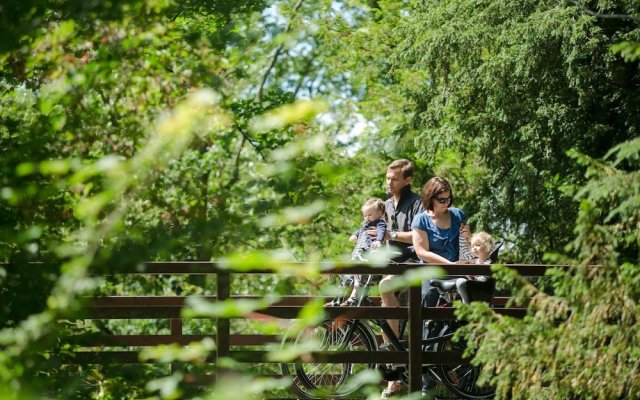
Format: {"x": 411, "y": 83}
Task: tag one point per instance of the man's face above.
{"x": 396, "y": 181}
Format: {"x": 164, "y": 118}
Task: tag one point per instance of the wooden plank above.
{"x": 290, "y": 312}
{"x": 210, "y": 267}
{"x": 360, "y": 356}
{"x": 155, "y": 340}
{"x": 104, "y": 357}
{"x": 285, "y": 312}
{"x": 261, "y": 357}
{"x": 179, "y": 301}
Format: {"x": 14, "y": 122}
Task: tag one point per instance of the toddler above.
{"x": 482, "y": 245}
{"x": 373, "y": 212}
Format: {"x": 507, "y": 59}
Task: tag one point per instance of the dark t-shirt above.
{"x": 401, "y": 217}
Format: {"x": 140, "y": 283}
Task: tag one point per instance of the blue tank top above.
{"x": 443, "y": 242}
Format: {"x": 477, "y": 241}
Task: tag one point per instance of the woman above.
{"x": 436, "y": 234}
{"x": 436, "y": 231}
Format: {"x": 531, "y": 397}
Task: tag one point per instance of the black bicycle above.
{"x": 323, "y": 380}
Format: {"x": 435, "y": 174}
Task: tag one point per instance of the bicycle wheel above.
{"x": 463, "y": 379}
{"x": 324, "y": 380}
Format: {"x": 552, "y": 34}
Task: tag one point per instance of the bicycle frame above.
{"x": 460, "y": 379}
{"x": 393, "y": 338}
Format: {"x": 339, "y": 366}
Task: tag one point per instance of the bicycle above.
{"x": 313, "y": 381}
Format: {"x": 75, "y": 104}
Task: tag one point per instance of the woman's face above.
{"x": 441, "y": 201}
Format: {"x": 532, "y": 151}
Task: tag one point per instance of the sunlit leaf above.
{"x": 232, "y": 308}
{"x": 278, "y": 261}
{"x": 301, "y": 110}
{"x": 55, "y": 167}
{"x": 196, "y": 352}
{"x": 295, "y": 215}
{"x": 414, "y": 277}
{"x": 233, "y": 386}
{"x": 166, "y": 386}
{"x": 25, "y": 168}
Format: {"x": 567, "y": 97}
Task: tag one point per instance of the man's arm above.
{"x": 401, "y": 236}
{"x": 416, "y": 209}
{"x": 405, "y": 237}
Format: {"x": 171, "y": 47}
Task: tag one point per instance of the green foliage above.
{"x": 628, "y": 50}
{"x": 193, "y": 130}
{"x": 581, "y": 340}
{"x": 96, "y": 174}
{"x": 493, "y": 94}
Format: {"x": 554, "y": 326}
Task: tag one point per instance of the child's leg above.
{"x": 356, "y": 286}
{"x": 346, "y": 281}
{"x": 461, "y": 286}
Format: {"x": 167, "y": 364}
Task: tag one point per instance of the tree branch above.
{"x": 236, "y": 165}
{"x": 112, "y": 116}
{"x": 274, "y": 58}
{"x": 251, "y": 142}
{"x": 303, "y": 73}
{"x": 624, "y": 17}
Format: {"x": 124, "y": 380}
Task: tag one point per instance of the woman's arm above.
{"x": 421, "y": 246}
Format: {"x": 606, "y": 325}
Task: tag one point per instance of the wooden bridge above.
{"x": 98, "y": 349}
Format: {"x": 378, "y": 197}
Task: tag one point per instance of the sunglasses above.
{"x": 443, "y": 200}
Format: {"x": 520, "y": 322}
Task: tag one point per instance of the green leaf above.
{"x": 301, "y": 110}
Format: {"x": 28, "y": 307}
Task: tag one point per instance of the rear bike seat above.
{"x": 474, "y": 290}
{"x": 446, "y": 285}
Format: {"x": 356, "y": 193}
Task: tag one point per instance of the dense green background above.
{"x": 195, "y": 130}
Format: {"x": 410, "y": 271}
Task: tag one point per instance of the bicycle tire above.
{"x": 323, "y": 380}
{"x": 462, "y": 379}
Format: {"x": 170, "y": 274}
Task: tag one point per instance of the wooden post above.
{"x": 415, "y": 339}
{"x": 222, "y": 324}
{"x": 176, "y": 330}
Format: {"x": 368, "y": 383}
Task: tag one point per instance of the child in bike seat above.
{"x": 373, "y": 212}
{"x": 482, "y": 245}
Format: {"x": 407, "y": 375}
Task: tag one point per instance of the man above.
{"x": 401, "y": 207}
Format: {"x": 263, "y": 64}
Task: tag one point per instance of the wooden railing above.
{"x": 170, "y": 307}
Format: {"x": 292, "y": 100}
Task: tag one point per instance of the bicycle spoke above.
{"x": 463, "y": 379}
{"x": 328, "y": 380}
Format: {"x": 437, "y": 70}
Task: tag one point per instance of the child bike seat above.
{"x": 443, "y": 284}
